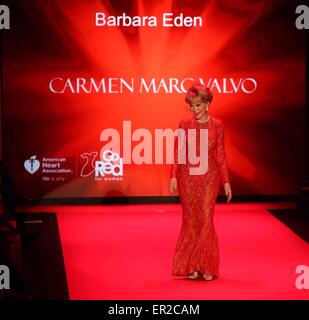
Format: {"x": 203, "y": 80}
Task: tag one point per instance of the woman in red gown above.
{"x": 197, "y": 251}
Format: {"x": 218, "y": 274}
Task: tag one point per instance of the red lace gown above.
{"x": 197, "y": 244}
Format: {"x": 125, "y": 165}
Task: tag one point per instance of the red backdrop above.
{"x": 239, "y": 40}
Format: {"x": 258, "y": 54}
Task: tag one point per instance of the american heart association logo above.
{"x": 32, "y": 165}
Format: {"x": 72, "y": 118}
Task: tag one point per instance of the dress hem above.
{"x": 215, "y": 275}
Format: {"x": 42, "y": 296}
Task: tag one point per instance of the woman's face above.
{"x": 198, "y": 107}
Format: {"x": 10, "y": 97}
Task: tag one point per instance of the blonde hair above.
{"x": 199, "y": 90}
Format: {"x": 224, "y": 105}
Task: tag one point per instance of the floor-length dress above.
{"x": 197, "y": 244}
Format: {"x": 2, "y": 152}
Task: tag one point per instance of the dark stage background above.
{"x": 249, "y": 52}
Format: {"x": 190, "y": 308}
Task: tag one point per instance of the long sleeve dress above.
{"x": 197, "y": 244}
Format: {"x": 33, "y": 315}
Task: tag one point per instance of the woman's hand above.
{"x": 228, "y": 191}
{"x": 172, "y": 185}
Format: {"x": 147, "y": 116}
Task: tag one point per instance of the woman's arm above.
{"x": 221, "y": 158}
{"x": 174, "y": 166}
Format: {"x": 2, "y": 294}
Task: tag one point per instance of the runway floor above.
{"x": 125, "y": 252}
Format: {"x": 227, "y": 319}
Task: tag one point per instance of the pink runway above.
{"x": 125, "y": 252}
